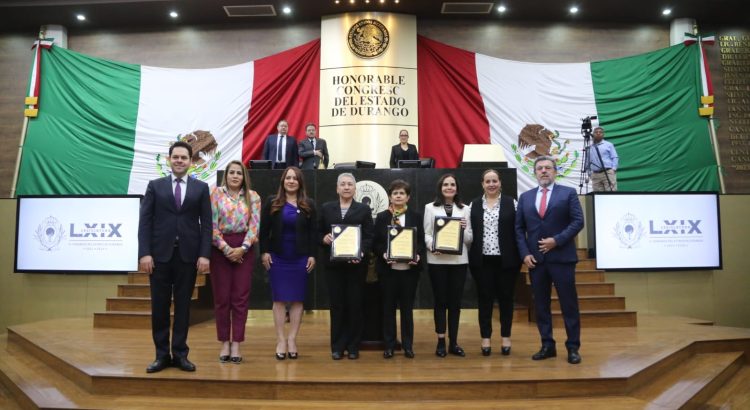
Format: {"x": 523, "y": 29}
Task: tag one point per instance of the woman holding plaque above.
{"x": 447, "y": 235}
{"x": 287, "y": 240}
{"x": 403, "y": 150}
{"x": 346, "y": 232}
{"x": 494, "y": 258}
{"x": 398, "y": 273}
{"x": 235, "y": 210}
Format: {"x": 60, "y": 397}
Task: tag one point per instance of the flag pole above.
{"x": 711, "y": 127}
{"x": 33, "y": 104}
{"x": 18, "y": 156}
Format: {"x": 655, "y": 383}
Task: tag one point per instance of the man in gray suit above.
{"x": 313, "y": 150}
{"x": 174, "y": 241}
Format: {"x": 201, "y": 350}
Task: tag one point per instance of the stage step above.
{"x": 131, "y": 304}
{"x": 592, "y": 289}
{"x": 734, "y": 394}
{"x": 141, "y": 291}
{"x": 692, "y": 382}
{"x": 600, "y": 318}
{"x": 142, "y": 279}
{"x": 124, "y": 319}
{"x": 595, "y": 302}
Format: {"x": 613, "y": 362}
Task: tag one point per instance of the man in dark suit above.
{"x": 280, "y": 148}
{"x": 547, "y": 221}
{"x": 174, "y": 240}
{"x": 313, "y": 150}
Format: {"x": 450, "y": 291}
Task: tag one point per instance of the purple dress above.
{"x": 288, "y": 274}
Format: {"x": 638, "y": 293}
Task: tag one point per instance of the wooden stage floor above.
{"x": 621, "y": 366}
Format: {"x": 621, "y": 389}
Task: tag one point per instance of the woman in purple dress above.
{"x": 287, "y": 240}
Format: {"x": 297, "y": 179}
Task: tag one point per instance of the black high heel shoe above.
{"x": 505, "y": 350}
{"x": 236, "y": 359}
{"x": 293, "y": 355}
{"x": 280, "y": 356}
{"x": 486, "y": 351}
{"x": 457, "y": 351}
{"x": 223, "y": 358}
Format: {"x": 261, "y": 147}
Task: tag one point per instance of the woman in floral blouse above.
{"x": 236, "y": 215}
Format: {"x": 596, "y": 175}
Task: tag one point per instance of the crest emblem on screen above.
{"x": 629, "y": 230}
{"x": 49, "y": 233}
{"x": 368, "y": 38}
{"x": 373, "y": 195}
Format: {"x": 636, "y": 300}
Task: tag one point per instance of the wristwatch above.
{"x": 245, "y": 247}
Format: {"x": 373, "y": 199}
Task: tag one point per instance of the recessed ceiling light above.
{"x": 81, "y": 17}
{"x": 351, "y": 1}
{"x": 573, "y": 10}
{"x": 337, "y": 2}
{"x": 173, "y": 14}
{"x": 395, "y": 1}
{"x": 382, "y": 1}
{"x": 666, "y": 12}
{"x": 367, "y": 1}
{"x": 286, "y": 10}
{"x": 501, "y": 9}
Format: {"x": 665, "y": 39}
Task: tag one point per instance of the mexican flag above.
{"x": 105, "y": 127}
{"x": 647, "y": 104}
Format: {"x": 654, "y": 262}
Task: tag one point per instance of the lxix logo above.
{"x": 96, "y": 230}
{"x": 672, "y": 227}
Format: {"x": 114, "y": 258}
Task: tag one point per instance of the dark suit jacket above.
{"x": 161, "y": 223}
{"x": 271, "y": 227}
{"x": 380, "y": 243}
{"x": 506, "y": 233}
{"x": 398, "y": 154}
{"x": 563, "y": 220}
{"x": 307, "y": 153}
{"x": 269, "y": 150}
{"x": 358, "y": 214}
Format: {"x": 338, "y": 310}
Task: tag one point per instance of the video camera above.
{"x": 586, "y": 126}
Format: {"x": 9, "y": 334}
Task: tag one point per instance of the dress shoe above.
{"x": 280, "y": 356}
{"x": 293, "y": 355}
{"x": 408, "y": 353}
{"x": 183, "y": 364}
{"x": 440, "y": 349}
{"x": 573, "y": 356}
{"x": 505, "y": 350}
{"x": 387, "y": 353}
{"x": 236, "y": 359}
{"x": 457, "y": 351}
{"x": 486, "y": 351}
{"x": 544, "y": 353}
{"x": 223, "y": 358}
{"x": 158, "y": 365}
{"x": 336, "y": 355}
{"x": 353, "y": 355}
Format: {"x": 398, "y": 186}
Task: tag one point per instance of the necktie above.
{"x": 178, "y": 194}
{"x": 278, "y": 148}
{"x": 543, "y": 203}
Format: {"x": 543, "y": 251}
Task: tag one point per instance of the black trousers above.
{"x": 399, "y": 290}
{"x": 447, "y": 289}
{"x": 563, "y": 276}
{"x": 178, "y": 278}
{"x": 494, "y": 282}
{"x": 346, "y": 285}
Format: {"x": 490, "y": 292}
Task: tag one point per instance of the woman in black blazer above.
{"x": 403, "y": 150}
{"x": 287, "y": 243}
{"x": 493, "y": 258}
{"x": 346, "y": 279}
{"x": 398, "y": 280}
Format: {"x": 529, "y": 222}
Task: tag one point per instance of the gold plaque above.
{"x": 368, "y": 38}
{"x": 347, "y": 242}
{"x": 402, "y": 244}
{"x": 448, "y": 235}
